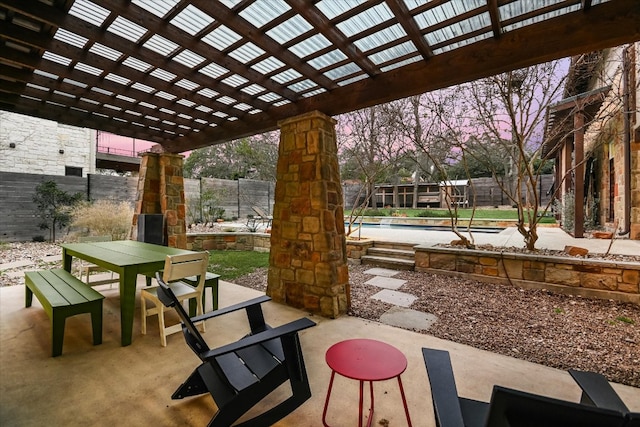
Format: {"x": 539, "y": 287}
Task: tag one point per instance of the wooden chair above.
{"x": 88, "y": 267}
{"x": 241, "y": 374}
{"x": 176, "y": 267}
{"x": 508, "y": 407}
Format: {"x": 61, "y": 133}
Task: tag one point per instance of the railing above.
{"x": 120, "y": 151}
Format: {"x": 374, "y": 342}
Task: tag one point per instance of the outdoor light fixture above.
{"x": 61, "y": 151}
{"x": 12, "y": 145}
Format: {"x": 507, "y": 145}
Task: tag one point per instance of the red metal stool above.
{"x": 365, "y": 360}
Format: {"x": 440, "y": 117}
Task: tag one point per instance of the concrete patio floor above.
{"x": 113, "y": 385}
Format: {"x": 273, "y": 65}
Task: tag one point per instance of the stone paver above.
{"x": 386, "y": 282}
{"x": 382, "y": 272}
{"x": 394, "y": 297}
{"x": 15, "y": 264}
{"x": 407, "y": 318}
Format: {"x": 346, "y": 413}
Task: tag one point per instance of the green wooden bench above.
{"x": 63, "y": 295}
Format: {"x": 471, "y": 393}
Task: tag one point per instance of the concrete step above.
{"x": 386, "y": 262}
{"x": 395, "y": 245}
{"x": 392, "y": 253}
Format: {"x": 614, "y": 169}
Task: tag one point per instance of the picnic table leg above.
{"x": 66, "y": 260}
{"x": 127, "y": 304}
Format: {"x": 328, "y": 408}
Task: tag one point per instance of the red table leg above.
{"x": 326, "y": 402}
{"x": 404, "y": 401}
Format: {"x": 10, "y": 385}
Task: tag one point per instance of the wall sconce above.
{"x": 12, "y": 145}
{"x": 61, "y": 151}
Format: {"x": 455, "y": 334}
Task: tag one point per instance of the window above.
{"x": 72, "y": 171}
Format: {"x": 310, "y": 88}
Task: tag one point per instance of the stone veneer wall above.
{"x": 590, "y": 278}
{"x": 241, "y": 241}
{"x": 161, "y": 190}
{"x": 308, "y": 262}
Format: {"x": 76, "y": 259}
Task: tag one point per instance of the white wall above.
{"x": 38, "y": 143}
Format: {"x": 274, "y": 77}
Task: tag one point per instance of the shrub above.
{"x": 104, "y": 218}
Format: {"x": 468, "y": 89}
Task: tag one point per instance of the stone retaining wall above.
{"x": 589, "y": 278}
{"x": 241, "y": 241}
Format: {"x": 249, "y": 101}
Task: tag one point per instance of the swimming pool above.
{"x": 384, "y": 225}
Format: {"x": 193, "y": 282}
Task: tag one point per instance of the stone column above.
{"x": 308, "y": 261}
{"x": 161, "y": 190}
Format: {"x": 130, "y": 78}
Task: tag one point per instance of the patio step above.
{"x": 387, "y": 262}
{"x": 392, "y": 253}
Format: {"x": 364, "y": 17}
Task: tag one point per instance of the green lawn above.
{"x": 232, "y": 264}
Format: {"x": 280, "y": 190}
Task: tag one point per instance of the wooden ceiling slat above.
{"x": 492, "y": 6}
{"x": 410, "y": 27}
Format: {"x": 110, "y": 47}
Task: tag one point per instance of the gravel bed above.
{"x": 554, "y": 330}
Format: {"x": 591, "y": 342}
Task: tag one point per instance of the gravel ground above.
{"x": 554, "y": 330}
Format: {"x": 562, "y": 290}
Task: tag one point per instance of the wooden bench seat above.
{"x": 63, "y": 295}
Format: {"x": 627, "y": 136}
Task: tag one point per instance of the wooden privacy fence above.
{"x": 19, "y": 220}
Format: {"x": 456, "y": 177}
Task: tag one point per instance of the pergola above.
{"x": 192, "y": 73}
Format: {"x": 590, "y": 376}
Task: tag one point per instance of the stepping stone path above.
{"x": 400, "y": 315}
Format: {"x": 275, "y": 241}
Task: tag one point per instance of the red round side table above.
{"x": 365, "y": 360}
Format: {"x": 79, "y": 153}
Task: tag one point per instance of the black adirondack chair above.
{"x": 508, "y": 407}
{"x": 241, "y": 374}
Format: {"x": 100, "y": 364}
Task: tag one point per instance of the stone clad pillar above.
{"x": 161, "y": 190}
{"x": 308, "y": 261}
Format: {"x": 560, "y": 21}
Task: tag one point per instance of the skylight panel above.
{"x": 126, "y": 98}
{"x": 213, "y": 70}
{"x": 542, "y": 17}
{"x": 365, "y": 20}
{"x": 204, "y": 109}
{"x": 461, "y": 43}
{"x": 446, "y": 11}
{"x": 380, "y": 38}
{"x": 289, "y": 29}
{"x": 302, "y": 86}
{"x": 310, "y": 45}
{"x": 133, "y": 113}
{"x": 142, "y": 87}
{"x": 281, "y": 103}
{"x": 127, "y": 29}
{"x": 163, "y": 75}
{"x": 234, "y": 80}
{"x": 68, "y": 95}
{"x": 89, "y": 101}
{"x": 105, "y": 51}
{"x": 201, "y": 122}
{"x": 392, "y": 53}
{"x": 38, "y": 87}
{"x": 269, "y": 97}
{"x": 118, "y": 79}
{"x": 112, "y": 107}
{"x": 390, "y": 67}
{"x": 46, "y": 74}
{"x": 332, "y": 8}
{"x": 59, "y": 59}
{"x": 165, "y": 95}
{"x": 262, "y": 12}
{"x": 255, "y": 111}
{"x": 167, "y": 111}
{"x": 208, "y": 92}
{"x": 185, "y": 102}
{"x": 352, "y": 80}
{"x": 230, "y": 3}
{"x": 456, "y": 29}
{"x": 226, "y": 100}
{"x": 343, "y": 71}
{"x": 268, "y": 65}
{"x": 221, "y": 38}
{"x": 88, "y": 69}
{"x": 188, "y": 58}
{"x": 314, "y": 92}
{"x": 136, "y": 64}
{"x": 72, "y": 82}
{"x": 243, "y": 107}
{"x": 147, "y": 105}
{"x": 187, "y": 84}
{"x": 246, "y": 52}
{"x": 158, "y": 7}
{"x": 70, "y": 38}
{"x": 220, "y": 114}
{"x": 102, "y": 91}
{"x": 89, "y": 12}
{"x": 253, "y": 89}
{"x": 161, "y": 45}
{"x": 192, "y": 20}
{"x": 286, "y": 76}
{"x": 185, "y": 116}
{"x": 327, "y": 59}
{"x": 515, "y": 9}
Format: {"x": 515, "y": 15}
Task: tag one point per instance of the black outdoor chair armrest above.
{"x": 269, "y": 334}
{"x": 596, "y": 391}
{"x": 226, "y": 310}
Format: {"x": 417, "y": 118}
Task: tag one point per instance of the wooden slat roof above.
{"x": 191, "y": 73}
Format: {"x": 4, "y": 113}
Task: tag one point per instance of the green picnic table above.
{"x": 128, "y": 258}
